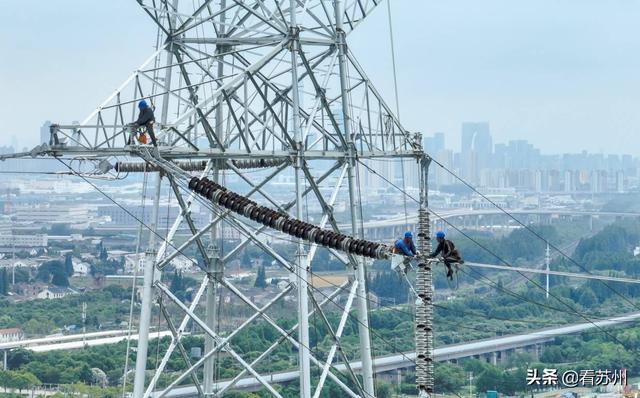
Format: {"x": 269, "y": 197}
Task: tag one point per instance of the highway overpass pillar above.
{"x": 538, "y": 351}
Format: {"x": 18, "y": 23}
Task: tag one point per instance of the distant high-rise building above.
{"x": 434, "y": 144}
{"x": 628, "y": 166}
{"x": 379, "y": 179}
{"x": 598, "y": 181}
{"x": 411, "y": 174}
{"x": 443, "y": 177}
{"x": 490, "y": 178}
{"x": 500, "y": 156}
{"x": 476, "y": 149}
{"x": 542, "y": 181}
{"x": 476, "y": 137}
{"x": 554, "y": 180}
{"x": 620, "y": 182}
{"x": 438, "y": 141}
{"x": 41, "y": 164}
{"x": 569, "y": 185}
{"x": 520, "y": 154}
{"x": 595, "y": 181}
{"x": 469, "y": 166}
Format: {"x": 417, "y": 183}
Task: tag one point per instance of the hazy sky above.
{"x": 564, "y": 74}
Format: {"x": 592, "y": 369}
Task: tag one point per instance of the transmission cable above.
{"x": 394, "y": 346}
{"x": 388, "y": 307}
{"x": 312, "y": 287}
{"x": 146, "y": 226}
{"x": 395, "y": 90}
{"x": 582, "y": 315}
{"x": 480, "y": 315}
{"x": 372, "y": 331}
{"x": 210, "y": 206}
{"x": 168, "y": 243}
{"x": 164, "y": 240}
{"x": 573, "y": 310}
{"x": 550, "y": 324}
{"x": 158, "y": 338}
{"x": 531, "y": 230}
{"x": 366, "y": 326}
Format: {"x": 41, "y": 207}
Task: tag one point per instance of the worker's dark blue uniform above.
{"x": 408, "y": 250}
{"x": 450, "y": 254}
{"x": 146, "y": 120}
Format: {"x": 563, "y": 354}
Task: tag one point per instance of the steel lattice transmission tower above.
{"x": 246, "y": 84}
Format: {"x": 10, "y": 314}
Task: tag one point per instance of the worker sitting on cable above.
{"x": 146, "y": 120}
{"x": 406, "y": 246}
{"x": 449, "y": 253}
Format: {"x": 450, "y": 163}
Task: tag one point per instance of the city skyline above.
{"x": 519, "y": 164}
{"x": 433, "y": 142}
{"x": 437, "y": 141}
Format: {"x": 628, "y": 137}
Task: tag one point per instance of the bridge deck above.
{"x": 456, "y": 351}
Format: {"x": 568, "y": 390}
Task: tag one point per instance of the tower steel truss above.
{"x": 273, "y": 84}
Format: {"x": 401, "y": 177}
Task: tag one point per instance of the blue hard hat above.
{"x": 408, "y": 234}
{"x": 439, "y": 234}
{"x": 142, "y": 104}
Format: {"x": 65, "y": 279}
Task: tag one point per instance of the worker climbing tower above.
{"x": 268, "y": 86}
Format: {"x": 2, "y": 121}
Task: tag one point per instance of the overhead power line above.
{"x": 555, "y": 297}
{"x": 534, "y": 232}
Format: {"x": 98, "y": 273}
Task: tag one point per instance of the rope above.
{"x": 160, "y": 304}
{"x": 395, "y": 91}
{"x": 138, "y": 239}
{"x": 133, "y": 286}
{"x": 361, "y": 226}
{"x": 166, "y": 228}
{"x": 315, "y": 321}
{"x": 217, "y": 368}
{"x": 393, "y": 60}
{"x": 160, "y": 298}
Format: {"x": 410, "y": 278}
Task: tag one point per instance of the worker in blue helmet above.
{"x": 146, "y": 120}
{"x": 450, "y": 254}
{"x": 406, "y": 246}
